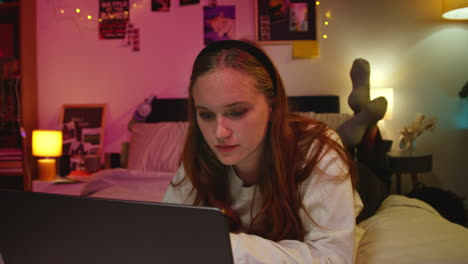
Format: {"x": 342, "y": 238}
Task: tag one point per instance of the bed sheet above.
{"x": 126, "y": 184}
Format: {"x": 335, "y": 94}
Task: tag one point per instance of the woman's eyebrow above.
{"x": 237, "y": 103}
{"x": 200, "y": 107}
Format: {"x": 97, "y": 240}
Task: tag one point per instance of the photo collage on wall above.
{"x": 285, "y": 20}
{"x": 114, "y": 21}
{"x": 132, "y": 37}
{"x": 165, "y": 5}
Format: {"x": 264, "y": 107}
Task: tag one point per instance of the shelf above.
{"x": 11, "y": 162}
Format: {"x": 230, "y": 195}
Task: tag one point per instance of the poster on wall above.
{"x": 219, "y": 23}
{"x": 83, "y": 131}
{"x": 188, "y": 2}
{"x": 113, "y": 18}
{"x": 160, "y": 5}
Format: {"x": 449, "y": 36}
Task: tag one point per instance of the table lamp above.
{"x": 455, "y": 9}
{"x": 47, "y": 144}
{"x": 388, "y": 94}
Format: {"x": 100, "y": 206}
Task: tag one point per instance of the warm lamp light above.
{"x": 455, "y": 9}
{"x": 47, "y": 144}
{"x": 388, "y": 94}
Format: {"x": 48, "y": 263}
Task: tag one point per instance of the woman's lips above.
{"x": 226, "y": 148}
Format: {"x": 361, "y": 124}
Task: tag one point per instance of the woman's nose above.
{"x": 222, "y": 129}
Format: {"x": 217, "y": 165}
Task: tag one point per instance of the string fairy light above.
{"x": 327, "y": 16}
{"x": 85, "y": 18}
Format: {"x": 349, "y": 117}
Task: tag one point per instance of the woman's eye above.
{"x": 206, "y": 115}
{"x": 238, "y": 113}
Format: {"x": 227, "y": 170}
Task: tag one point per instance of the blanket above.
{"x": 125, "y": 184}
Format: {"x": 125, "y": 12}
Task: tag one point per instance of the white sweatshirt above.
{"x": 328, "y": 198}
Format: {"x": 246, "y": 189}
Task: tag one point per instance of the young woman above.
{"x": 284, "y": 180}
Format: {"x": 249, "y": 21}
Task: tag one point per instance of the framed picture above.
{"x": 284, "y": 21}
{"x": 83, "y": 131}
{"x": 219, "y": 23}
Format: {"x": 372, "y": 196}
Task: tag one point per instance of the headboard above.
{"x": 175, "y": 109}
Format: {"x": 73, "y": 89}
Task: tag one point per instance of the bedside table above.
{"x": 68, "y": 188}
{"x": 409, "y": 163}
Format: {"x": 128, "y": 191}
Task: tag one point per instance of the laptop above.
{"x": 57, "y": 229}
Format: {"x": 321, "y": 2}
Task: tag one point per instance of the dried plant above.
{"x": 415, "y": 129}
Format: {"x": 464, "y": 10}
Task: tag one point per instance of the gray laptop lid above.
{"x": 57, "y": 229}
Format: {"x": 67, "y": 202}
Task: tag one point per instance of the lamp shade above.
{"x": 388, "y": 94}
{"x": 47, "y": 143}
{"x": 455, "y": 9}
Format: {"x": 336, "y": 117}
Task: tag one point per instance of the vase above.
{"x": 411, "y": 145}
{"x": 407, "y": 144}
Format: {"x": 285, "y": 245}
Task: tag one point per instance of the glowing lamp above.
{"x": 47, "y": 144}
{"x": 455, "y": 9}
{"x": 388, "y": 94}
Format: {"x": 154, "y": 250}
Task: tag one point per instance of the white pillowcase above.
{"x": 333, "y": 120}
{"x": 156, "y": 146}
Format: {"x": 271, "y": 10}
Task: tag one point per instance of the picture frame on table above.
{"x": 281, "y": 22}
{"x": 83, "y": 131}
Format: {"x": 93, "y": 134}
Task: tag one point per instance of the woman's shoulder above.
{"x": 180, "y": 189}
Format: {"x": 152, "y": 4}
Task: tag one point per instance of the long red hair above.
{"x": 285, "y": 162}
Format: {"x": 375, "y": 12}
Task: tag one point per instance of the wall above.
{"x": 409, "y": 47}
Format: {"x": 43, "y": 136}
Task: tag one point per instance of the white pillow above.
{"x": 156, "y": 146}
{"x": 333, "y": 120}
{"x": 408, "y": 230}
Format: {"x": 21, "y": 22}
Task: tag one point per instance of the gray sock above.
{"x": 360, "y": 73}
{"x": 352, "y": 130}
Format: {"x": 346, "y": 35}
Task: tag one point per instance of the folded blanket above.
{"x": 125, "y": 184}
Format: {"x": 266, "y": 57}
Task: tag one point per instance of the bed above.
{"x": 155, "y": 145}
{"x": 396, "y": 229}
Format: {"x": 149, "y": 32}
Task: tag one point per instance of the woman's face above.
{"x": 233, "y": 116}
